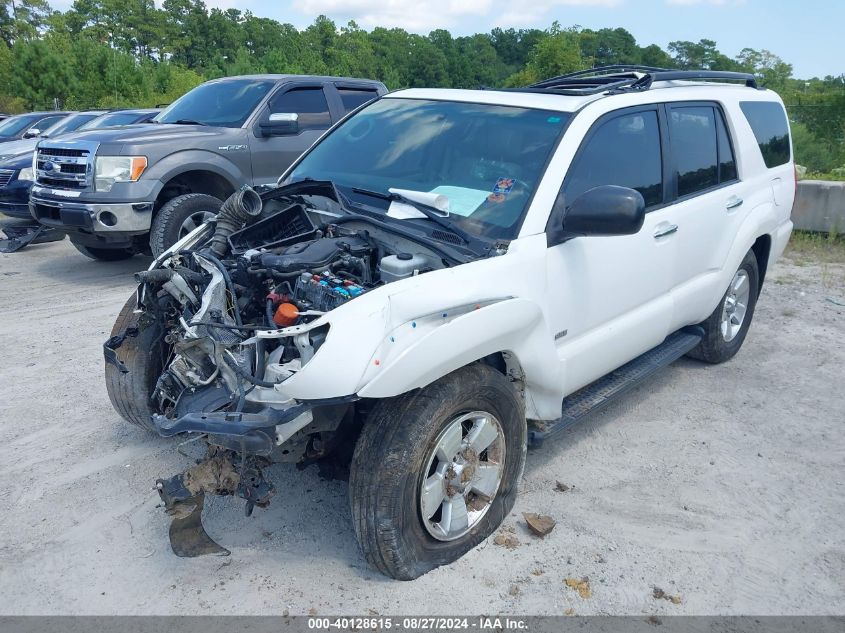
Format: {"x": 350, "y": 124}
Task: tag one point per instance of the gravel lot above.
{"x": 724, "y": 486}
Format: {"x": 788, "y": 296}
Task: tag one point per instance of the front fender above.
{"x": 418, "y": 352}
{"x": 185, "y": 161}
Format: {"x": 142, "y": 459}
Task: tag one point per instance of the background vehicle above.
{"x": 16, "y": 174}
{"x": 28, "y": 125}
{"x": 446, "y": 276}
{"x": 120, "y": 192}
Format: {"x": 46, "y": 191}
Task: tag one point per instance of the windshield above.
{"x": 16, "y": 124}
{"x": 220, "y": 103}
{"x": 486, "y": 159}
{"x": 112, "y": 120}
{"x": 69, "y": 124}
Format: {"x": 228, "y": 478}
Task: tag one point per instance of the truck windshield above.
{"x": 225, "y": 103}
{"x": 486, "y": 159}
{"x": 69, "y": 124}
{"x": 112, "y": 119}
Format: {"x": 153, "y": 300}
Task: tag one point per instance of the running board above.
{"x": 594, "y": 396}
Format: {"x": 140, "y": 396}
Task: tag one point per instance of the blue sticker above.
{"x": 553, "y": 119}
{"x": 503, "y": 185}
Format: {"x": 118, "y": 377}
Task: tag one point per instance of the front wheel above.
{"x": 178, "y": 217}
{"x": 435, "y": 471}
{"x": 725, "y": 329}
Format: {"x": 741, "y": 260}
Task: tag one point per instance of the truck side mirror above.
{"x": 32, "y": 132}
{"x": 280, "y": 124}
{"x": 605, "y": 210}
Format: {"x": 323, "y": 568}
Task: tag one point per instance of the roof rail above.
{"x": 626, "y": 78}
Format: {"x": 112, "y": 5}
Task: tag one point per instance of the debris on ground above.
{"x": 539, "y": 524}
{"x": 569, "y": 611}
{"x": 506, "y": 538}
{"x": 514, "y": 590}
{"x": 659, "y": 594}
{"x": 562, "y": 487}
{"x": 581, "y": 586}
{"x": 537, "y": 572}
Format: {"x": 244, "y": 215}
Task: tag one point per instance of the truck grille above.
{"x": 66, "y": 168}
{"x": 6, "y": 176}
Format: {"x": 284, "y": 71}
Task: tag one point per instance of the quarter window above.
{"x": 623, "y": 151}
{"x": 768, "y": 122}
{"x": 692, "y": 132}
{"x": 309, "y": 103}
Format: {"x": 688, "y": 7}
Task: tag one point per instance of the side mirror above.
{"x": 605, "y": 210}
{"x": 279, "y": 124}
{"x": 32, "y": 132}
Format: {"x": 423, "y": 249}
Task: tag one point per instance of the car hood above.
{"x": 15, "y": 148}
{"x": 19, "y": 161}
{"x": 141, "y": 134}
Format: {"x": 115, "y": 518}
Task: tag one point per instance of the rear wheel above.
{"x": 435, "y": 471}
{"x": 726, "y": 328}
{"x": 180, "y": 216}
{"x": 144, "y": 356}
{"x": 104, "y": 254}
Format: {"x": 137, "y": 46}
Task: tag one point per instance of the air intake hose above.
{"x": 242, "y": 207}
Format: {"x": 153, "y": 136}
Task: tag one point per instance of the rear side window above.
{"x": 623, "y": 151}
{"x": 309, "y": 103}
{"x": 692, "y": 131}
{"x": 768, "y": 122}
{"x": 353, "y": 98}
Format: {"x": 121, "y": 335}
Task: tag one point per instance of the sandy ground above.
{"x": 721, "y": 485}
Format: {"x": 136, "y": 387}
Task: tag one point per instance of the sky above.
{"x": 809, "y": 34}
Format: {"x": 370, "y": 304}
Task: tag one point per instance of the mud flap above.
{"x": 19, "y": 236}
{"x": 188, "y": 538}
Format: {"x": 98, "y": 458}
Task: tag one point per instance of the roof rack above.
{"x": 628, "y": 78}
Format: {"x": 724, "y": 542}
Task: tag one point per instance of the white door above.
{"x": 710, "y": 205}
{"x": 608, "y": 297}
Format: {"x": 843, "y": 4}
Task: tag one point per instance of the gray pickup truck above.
{"x": 138, "y": 189}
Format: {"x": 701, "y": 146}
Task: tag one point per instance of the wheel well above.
{"x": 761, "y": 249}
{"x": 198, "y": 181}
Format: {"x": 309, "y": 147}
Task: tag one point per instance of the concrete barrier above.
{"x": 819, "y": 206}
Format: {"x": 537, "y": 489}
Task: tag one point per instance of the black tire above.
{"x": 143, "y": 355}
{"x": 104, "y": 254}
{"x": 167, "y": 223}
{"x": 398, "y": 436}
{"x": 713, "y": 347}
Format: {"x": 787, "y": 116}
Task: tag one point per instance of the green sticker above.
{"x": 553, "y": 119}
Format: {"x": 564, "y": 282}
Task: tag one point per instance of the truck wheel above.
{"x": 435, "y": 471}
{"x": 725, "y": 329}
{"x": 144, "y": 357}
{"x": 178, "y": 217}
{"x": 104, "y": 254}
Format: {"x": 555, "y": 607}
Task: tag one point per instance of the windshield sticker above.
{"x": 496, "y": 197}
{"x": 503, "y": 186}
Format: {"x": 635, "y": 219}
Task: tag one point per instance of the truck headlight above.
{"x": 26, "y": 174}
{"x": 111, "y": 169}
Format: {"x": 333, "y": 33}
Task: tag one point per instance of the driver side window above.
{"x": 624, "y": 151}
{"x": 308, "y": 103}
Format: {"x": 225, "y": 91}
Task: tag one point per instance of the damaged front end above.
{"x": 236, "y": 309}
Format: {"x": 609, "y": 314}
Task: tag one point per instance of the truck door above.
{"x": 304, "y": 110}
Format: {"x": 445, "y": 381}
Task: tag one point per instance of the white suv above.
{"x": 447, "y": 276}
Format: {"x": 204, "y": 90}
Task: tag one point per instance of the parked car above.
{"x": 28, "y": 125}
{"x": 16, "y": 175}
{"x": 120, "y": 192}
{"x": 446, "y": 276}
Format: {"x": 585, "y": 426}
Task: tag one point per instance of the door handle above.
{"x": 733, "y": 203}
{"x": 667, "y": 230}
